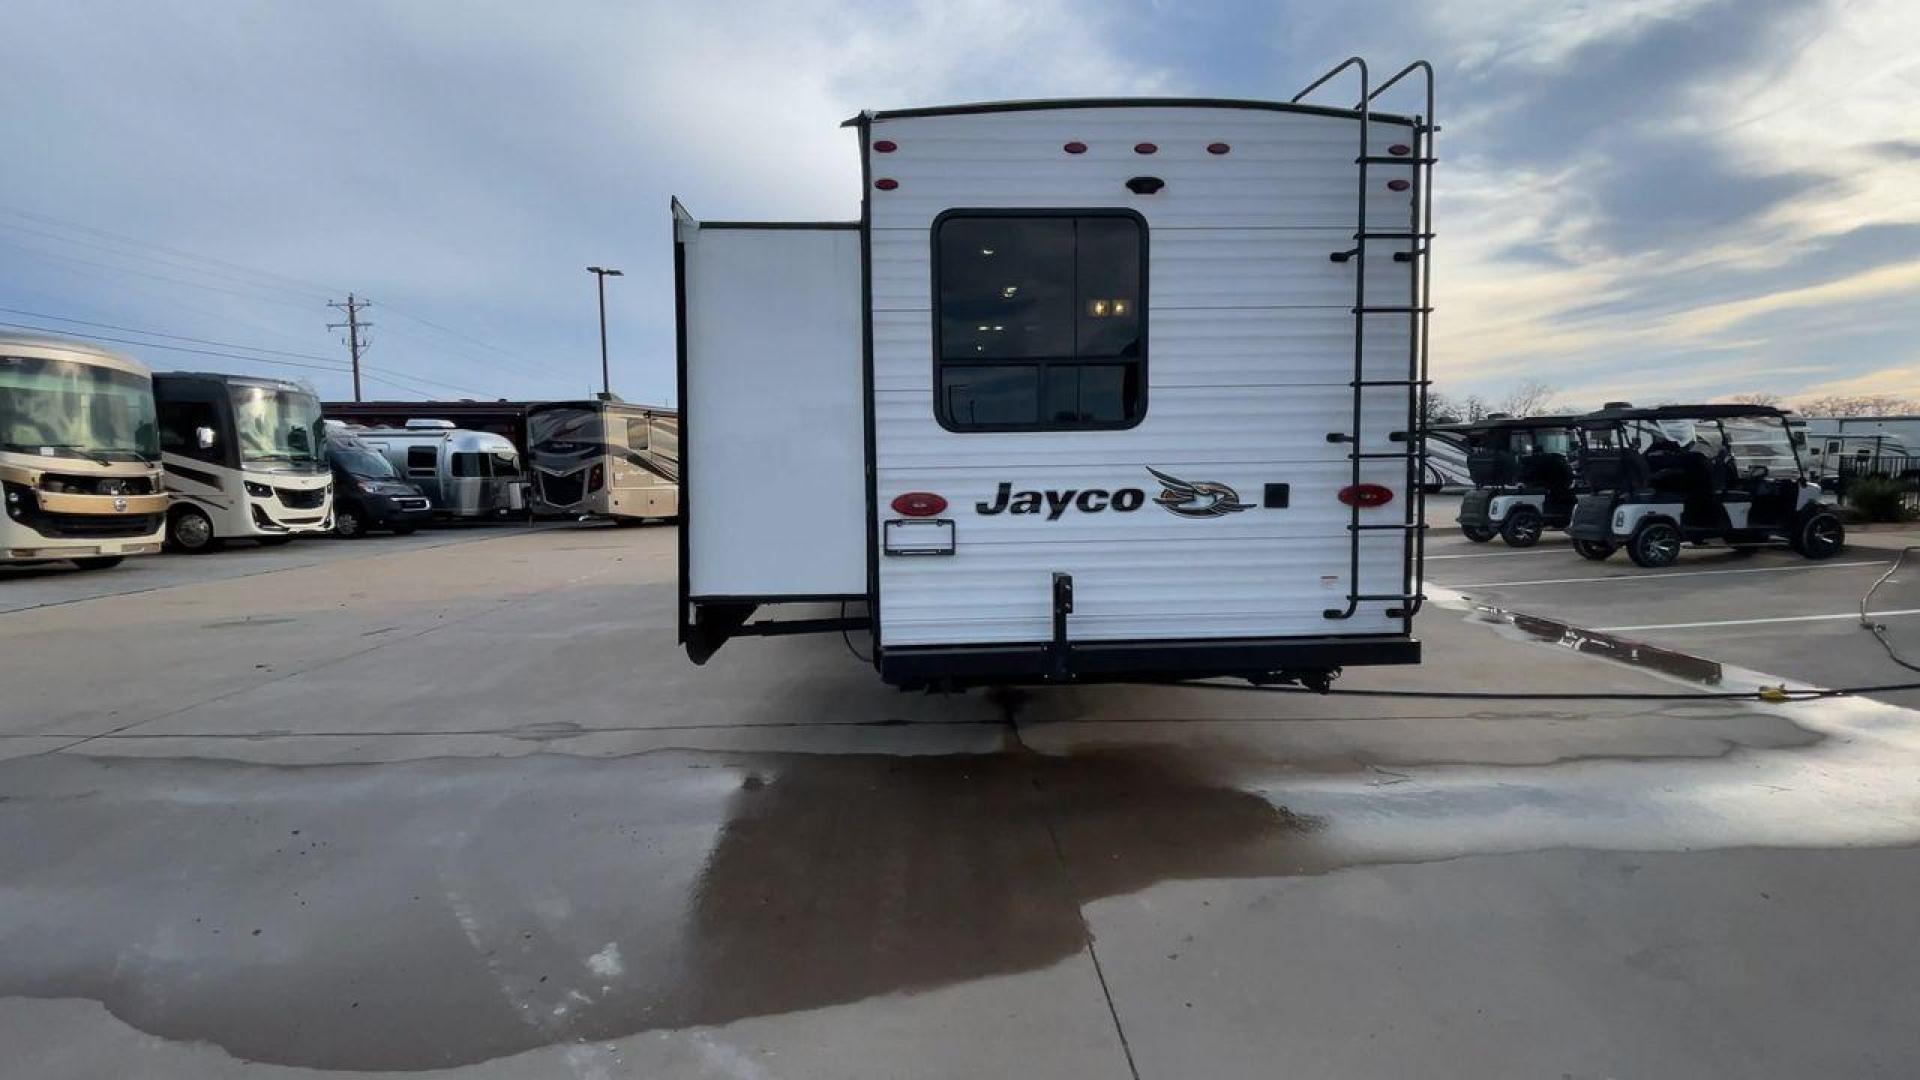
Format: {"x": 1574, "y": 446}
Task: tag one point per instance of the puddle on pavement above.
{"x": 430, "y": 914}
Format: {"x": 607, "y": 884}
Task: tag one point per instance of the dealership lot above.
{"x": 456, "y": 805}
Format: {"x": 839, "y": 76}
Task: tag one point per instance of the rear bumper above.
{"x": 1138, "y": 661}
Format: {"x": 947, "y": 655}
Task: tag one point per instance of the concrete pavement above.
{"x": 466, "y": 811}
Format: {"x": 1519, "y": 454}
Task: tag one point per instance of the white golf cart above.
{"x": 1696, "y": 474}
{"x": 1523, "y": 480}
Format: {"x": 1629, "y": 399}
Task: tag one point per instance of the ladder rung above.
{"x": 1391, "y": 310}
{"x": 1399, "y": 525}
{"x": 1381, "y": 455}
{"x": 1393, "y": 236}
{"x": 1402, "y": 597}
{"x": 1374, "y": 159}
{"x": 1392, "y": 382}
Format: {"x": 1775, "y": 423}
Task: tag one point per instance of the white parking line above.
{"x": 1498, "y": 554}
{"x": 1760, "y": 622}
{"x": 1656, "y": 576}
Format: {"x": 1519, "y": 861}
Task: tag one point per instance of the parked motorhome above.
{"x": 1094, "y": 390}
{"x": 507, "y": 418}
{"x": 604, "y": 459}
{"x": 1826, "y": 441}
{"x": 79, "y": 454}
{"x": 467, "y": 474}
{"x": 245, "y": 458}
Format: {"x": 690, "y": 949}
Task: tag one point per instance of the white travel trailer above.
{"x": 1094, "y": 390}
{"x": 246, "y": 458}
{"x": 466, "y": 474}
{"x": 79, "y": 459}
{"x": 604, "y": 459}
{"x": 1867, "y": 443}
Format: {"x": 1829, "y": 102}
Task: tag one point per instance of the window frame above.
{"x": 1041, "y": 364}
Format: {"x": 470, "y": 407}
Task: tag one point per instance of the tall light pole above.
{"x": 602, "y": 274}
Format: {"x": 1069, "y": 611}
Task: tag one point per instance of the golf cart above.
{"x": 1695, "y": 474}
{"x": 1522, "y": 475}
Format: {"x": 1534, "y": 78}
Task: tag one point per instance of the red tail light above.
{"x": 595, "y": 478}
{"x": 886, "y": 183}
{"x": 919, "y": 504}
{"x": 1218, "y": 148}
{"x": 1399, "y": 149}
{"x": 1144, "y": 148}
{"x": 884, "y": 146}
{"x": 1075, "y": 148}
{"x": 1366, "y": 495}
{"x": 1399, "y": 185}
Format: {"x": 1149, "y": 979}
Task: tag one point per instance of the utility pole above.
{"x": 352, "y": 306}
{"x": 606, "y": 381}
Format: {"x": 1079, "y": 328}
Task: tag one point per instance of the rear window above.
{"x": 1040, "y": 320}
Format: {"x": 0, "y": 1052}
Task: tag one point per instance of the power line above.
{"x": 173, "y": 337}
{"x": 251, "y": 271}
{"x": 173, "y": 348}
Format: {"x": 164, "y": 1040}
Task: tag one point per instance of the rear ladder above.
{"x": 1419, "y": 157}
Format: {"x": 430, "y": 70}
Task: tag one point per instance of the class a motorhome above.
{"x": 1093, "y": 390}
{"x": 246, "y": 457}
{"x": 79, "y": 454}
{"x": 604, "y": 458}
{"x": 465, "y": 474}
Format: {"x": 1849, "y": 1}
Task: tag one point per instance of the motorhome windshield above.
{"x": 47, "y": 406}
{"x": 274, "y": 425}
{"x": 565, "y": 432}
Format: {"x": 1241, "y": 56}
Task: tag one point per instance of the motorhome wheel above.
{"x": 190, "y": 530}
{"x": 99, "y": 562}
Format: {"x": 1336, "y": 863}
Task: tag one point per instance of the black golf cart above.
{"x": 1522, "y": 472}
{"x": 1661, "y": 477}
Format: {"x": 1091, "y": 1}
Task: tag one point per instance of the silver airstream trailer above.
{"x": 467, "y": 474}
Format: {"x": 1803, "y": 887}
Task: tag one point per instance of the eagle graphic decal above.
{"x": 1196, "y": 499}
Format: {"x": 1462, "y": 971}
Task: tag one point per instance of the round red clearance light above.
{"x": 1218, "y": 148}
{"x": 1366, "y": 495}
{"x": 1075, "y": 148}
{"x": 1399, "y": 185}
{"x": 1399, "y": 149}
{"x": 1145, "y": 148}
{"x": 886, "y": 183}
{"x": 919, "y": 504}
{"x": 885, "y": 146}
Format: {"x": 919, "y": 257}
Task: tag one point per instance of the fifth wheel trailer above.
{"x": 1094, "y": 390}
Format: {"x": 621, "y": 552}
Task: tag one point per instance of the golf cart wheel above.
{"x": 189, "y": 529}
{"x": 1479, "y": 534}
{"x": 99, "y": 562}
{"x": 1820, "y": 536}
{"x": 1522, "y": 528}
{"x": 347, "y": 522}
{"x": 1654, "y": 544}
{"x": 1596, "y": 550}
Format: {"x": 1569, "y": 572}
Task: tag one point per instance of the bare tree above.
{"x": 1529, "y": 399}
{"x": 1857, "y": 405}
{"x": 1758, "y": 397}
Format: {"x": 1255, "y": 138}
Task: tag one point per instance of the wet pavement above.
{"x": 465, "y": 811}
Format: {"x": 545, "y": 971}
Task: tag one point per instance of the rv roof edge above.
{"x": 869, "y": 116}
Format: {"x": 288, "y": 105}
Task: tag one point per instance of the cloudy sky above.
{"x": 1648, "y": 199}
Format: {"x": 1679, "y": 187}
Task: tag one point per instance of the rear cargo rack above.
{"x": 1418, "y": 306}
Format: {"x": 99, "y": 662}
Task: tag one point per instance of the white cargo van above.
{"x": 1094, "y": 390}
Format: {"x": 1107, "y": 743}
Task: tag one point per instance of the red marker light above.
{"x": 1145, "y": 148}
{"x": 919, "y": 504}
{"x": 886, "y": 183}
{"x": 1075, "y": 148}
{"x": 1399, "y": 185}
{"x": 1399, "y": 149}
{"x": 1366, "y": 495}
{"x": 1218, "y": 148}
{"x": 885, "y": 146}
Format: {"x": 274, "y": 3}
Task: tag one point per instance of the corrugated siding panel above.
{"x": 1250, "y": 350}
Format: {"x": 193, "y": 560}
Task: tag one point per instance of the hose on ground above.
{"x": 1879, "y": 629}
